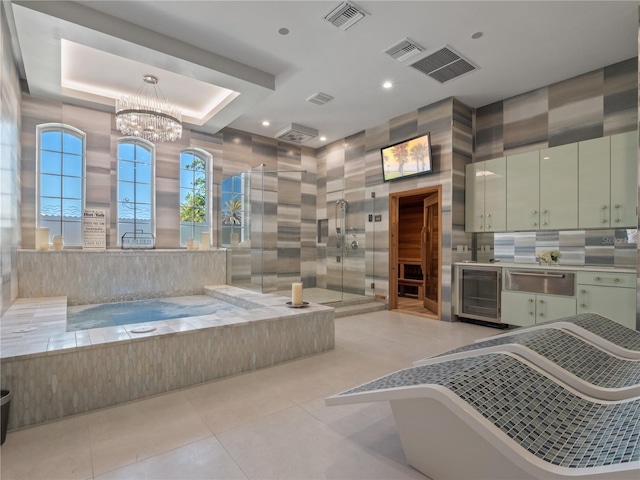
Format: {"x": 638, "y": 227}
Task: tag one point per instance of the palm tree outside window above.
{"x": 194, "y": 199}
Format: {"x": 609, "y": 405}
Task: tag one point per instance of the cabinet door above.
{"x": 518, "y": 308}
{"x": 550, "y": 307}
{"x": 624, "y": 176}
{"x": 495, "y": 195}
{"x": 523, "y": 192}
{"x": 594, "y": 171}
{"x": 559, "y": 187}
{"x": 474, "y": 198}
{"x": 618, "y": 304}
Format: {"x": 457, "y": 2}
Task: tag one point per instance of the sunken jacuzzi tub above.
{"x": 52, "y": 375}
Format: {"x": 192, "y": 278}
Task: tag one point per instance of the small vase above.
{"x": 57, "y": 242}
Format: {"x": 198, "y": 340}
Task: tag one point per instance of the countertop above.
{"x": 561, "y": 266}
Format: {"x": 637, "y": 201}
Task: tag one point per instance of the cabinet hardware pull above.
{"x": 597, "y": 279}
{"x": 617, "y": 206}
{"x": 583, "y": 305}
{"x": 604, "y": 207}
{"x": 535, "y": 211}
{"x": 616, "y": 280}
{"x": 545, "y": 211}
{"x": 604, "y": 220}
{"x": 541, "y": 314}
{"x": 534, "y": 274}
{"x": 617, "y": 220}
{"x": 583, "y": 291}
{"x": 535, "y": 224}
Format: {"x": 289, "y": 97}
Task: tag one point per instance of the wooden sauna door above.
{"x": 430, "y": 254}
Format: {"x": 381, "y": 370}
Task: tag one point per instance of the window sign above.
{"x": 94, "y": 230}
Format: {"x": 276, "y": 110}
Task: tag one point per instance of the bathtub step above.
{"x": 358, "y": 308}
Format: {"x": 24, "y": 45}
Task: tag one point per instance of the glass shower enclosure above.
{"x": 276, "y": 234}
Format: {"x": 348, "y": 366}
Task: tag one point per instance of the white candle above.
{"x": 204, "y": 241}
{"x": 42, "y": 238}
{"x": 296, "y": 294}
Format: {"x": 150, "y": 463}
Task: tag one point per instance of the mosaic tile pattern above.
{"x": 605, "y": 328}
{"x": 118, "y": 275}
{"x": 75, "y": 372}
{"x": 572, "y": 354}
{"x": 540, "y": 415}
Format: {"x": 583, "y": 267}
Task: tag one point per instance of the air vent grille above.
{"x": 344, "y": 15}
{"x": 444, "y": 65}
{"x": 296, "y": 133}
{"x": 320, "y": 98}
{"x": 404, "y": 50}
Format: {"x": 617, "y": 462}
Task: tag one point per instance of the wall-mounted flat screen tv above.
{"x": 407, "y": 158}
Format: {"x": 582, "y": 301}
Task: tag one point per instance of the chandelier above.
{"x": 151, "y": 117}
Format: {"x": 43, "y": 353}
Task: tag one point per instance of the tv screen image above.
{"x": 407, "y": 158}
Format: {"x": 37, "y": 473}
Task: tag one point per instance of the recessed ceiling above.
{"x": 236, "y": 45}
{"x": 104, "y": 77}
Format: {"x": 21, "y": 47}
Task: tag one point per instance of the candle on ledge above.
{"x": 42, "y": 238}
{"x": 296, "y": 294}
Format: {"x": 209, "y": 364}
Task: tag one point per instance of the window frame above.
{"x": 68, "y": 129}
{"x": 135, "y": 141}
{"x": 208, "y": 166}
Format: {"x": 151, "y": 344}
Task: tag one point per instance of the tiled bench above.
{"x": 569, "y": 358}
{"x": 493, "y": 416}
{"x": 599, "y": 330}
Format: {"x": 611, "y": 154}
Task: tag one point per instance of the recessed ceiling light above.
{"x": 387, "y": 84}
{"x": 266, "y": 123}
{"x": 283, "y": 31}
{"x": 477, "y": 35}
{"x": 323, "y": 139}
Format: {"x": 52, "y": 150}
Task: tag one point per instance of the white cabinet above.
{"x": 559, "y": 187}
{"x": 485, "y": 184}
{"x": 594, "y": 180}
{"x": 523, "y": 192}
{"x": 624, "y": 180}
{"x": 612, "y": 295}
{"x": 525, "y": 309}
{"x": 608, "y": 181}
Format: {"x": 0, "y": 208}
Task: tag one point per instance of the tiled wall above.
{"x": 9, "y": 167}
{"x": 86, "y": 277}
{"x": 354, "y": 172}
{"x": 289, "y": 200}
{"x": 599, "y": 103}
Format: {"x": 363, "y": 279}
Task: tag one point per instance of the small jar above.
{"x": 57, "y": 242}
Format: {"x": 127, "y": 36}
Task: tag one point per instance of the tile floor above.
{"x": 271, "y": 423}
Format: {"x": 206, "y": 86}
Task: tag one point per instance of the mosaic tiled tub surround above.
{"x": 114, "y": 275}
{"x": 75, "y": 372}
{"x": 608, "y": 376}
{"x": 544, "y": 418}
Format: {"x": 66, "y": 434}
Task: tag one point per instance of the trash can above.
{"x": 4, "y": 414}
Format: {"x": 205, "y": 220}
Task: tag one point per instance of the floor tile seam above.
{"x": 147, "y": 458}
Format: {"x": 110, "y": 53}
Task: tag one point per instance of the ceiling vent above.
{"x": 344, "y": 15}
{"x": 320, "y": 98}
{"x": 296, "y": 133}
{"x": 444, "y": 65}
{"x": 404, "y": 50}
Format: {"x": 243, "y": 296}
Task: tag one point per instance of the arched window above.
{"x": 194, "y": 198}
{"x": 60, "y": 185}
{"x": 136, "y": 206}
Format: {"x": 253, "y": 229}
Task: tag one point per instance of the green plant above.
{"x": 231, "y": 212}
